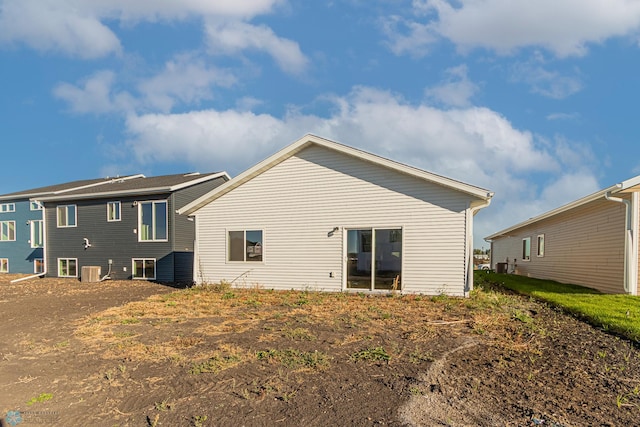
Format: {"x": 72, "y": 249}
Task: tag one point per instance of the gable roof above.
{"x": 134, "y": 185}
{"x": 628, "y": 186}
{"x": 309, "y": 140}
{"x": 59, "y": 188}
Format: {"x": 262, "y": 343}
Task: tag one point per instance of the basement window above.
{"x": 144, "y": 268}
{"x": 67, "y": 267}
{"x": 4, "y": 265}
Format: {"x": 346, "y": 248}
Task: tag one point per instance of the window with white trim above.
{"x": 4, "y": 265}
{"x": 540, "y": 250}
{"x": 38, "y": 265}
{"x": 7, "y": 231}
{"x": 143, "y": 268}
{"x": 245, "y": 245}
{"x": 113, "y": 211}
{"x": 36, "y": 233}
{"x": 7, "y": 207}
{"x": 526, "y": 249}
{"x": 67, "y": 267}
{"x": 67, "y": 215}
{"x": 152, "y": 221}
{"x": 35, "y": 206}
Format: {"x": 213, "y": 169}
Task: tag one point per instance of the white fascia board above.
{"x": 200, "y": 180}
{"x": 310, "y": 139}
{"x": 141, "y": 191}
{"x": 590, "y": 198}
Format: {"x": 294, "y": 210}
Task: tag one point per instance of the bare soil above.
{"x": 134, "y": 353}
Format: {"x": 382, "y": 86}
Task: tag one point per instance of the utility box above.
{"x": 90, "y": 273}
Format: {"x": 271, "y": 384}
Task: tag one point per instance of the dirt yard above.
{"x": 142, "y": 354}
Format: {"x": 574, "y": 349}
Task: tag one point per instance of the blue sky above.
{"x": 536, "y": 101}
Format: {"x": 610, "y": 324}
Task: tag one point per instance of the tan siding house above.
{"x": 319, "y": 215}
{"x": 591, "y": 242}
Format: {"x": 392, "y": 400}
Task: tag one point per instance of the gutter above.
{"x": 44, "y": 251}
{"x": 630, "y": 243}
{"x": 473, "y": 210}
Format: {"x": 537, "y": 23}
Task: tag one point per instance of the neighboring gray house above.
{"x": 22, "y": 228}
{"x": 324, "y": 216}
{"x": 592, "y": 241}
{"x": 127, "y": 227}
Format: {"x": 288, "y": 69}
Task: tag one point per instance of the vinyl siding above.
{"x": 109, "y": 240}
{"x": 299, "y": 201}
{"x": 184, "y": 229}
{"x": 19, "y": 252}
{"x": 583, "y": 246}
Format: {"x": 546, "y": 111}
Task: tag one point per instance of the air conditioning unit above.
{"x": 90, "y": 273}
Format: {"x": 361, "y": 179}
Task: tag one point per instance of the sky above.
{"x": 536, "y": 101}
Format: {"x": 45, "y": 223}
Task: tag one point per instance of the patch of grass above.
{"x": 377, "y": 354}
{"x": 43, "y": 397}
{"x": 215, "y": 364}
{"x": 130, "y": 321}
{"x": 295, "y": 359}
{"x": 418, "y": 356}
{"x": 298, "y": 334}
{"x": 619, "y": 314}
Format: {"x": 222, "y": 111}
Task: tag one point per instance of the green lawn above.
{"x": 619, "y": 314}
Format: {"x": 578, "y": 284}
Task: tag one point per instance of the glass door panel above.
{"x": 359, "y": 246}
{"x": 388, "y": 258}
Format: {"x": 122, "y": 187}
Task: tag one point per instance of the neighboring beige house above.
{"x": 591, "y": 242}
{"x": 320, "y": 215}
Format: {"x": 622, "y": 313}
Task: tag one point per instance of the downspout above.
{"x": 630, "y": 246}
{"x": 472, "y": 211}
{"x": 44, "y": 249}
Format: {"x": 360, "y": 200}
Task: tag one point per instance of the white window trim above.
{"x": 7, "y": 260}
{"x": 32, "y": 225}
{"x": 67, "y": 259}
{"x": 522, "y": 249}
{"x": 75, "y": 219}
{"x": 119, "y": 204}
{"x": 37, "y": 204}
{"x": 7, "y": 207}
{"x": 133, "y": 268}
{"x": 538, "y": 238}
{"x": 14, "y": 231}
{"x": 244, "y": 230}
{"x": 153, "y": 202}
{"x": 35, "y": 270}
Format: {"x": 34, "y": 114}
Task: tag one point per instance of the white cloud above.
{"x": 564, "y": 27}
{"x": 94, "y": 95}
{"x": 77, "y": 28}
{"x": 563, "y": 116}
{"x": 551, "y": 84}
{"x": 230, "y": 37}
{"x": 475, "y": 145}
{"x": 457, "y": 90}
{"x": 187, "y": 79}
{"x": 55, "y": 26}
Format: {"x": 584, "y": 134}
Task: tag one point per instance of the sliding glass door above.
{"x": 374, "y": 258}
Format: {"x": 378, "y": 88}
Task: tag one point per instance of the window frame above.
{"x": 40, "y": 226}
{"x": 540, "y": 238}
{"x": 38, "y": 206}
{"x": 66, "y": 208}
{"x": 60, "y": 260}
{"x": 526, "y": 249}
{"x": 36, "y": 262}
{"x": 2, "y": 225}
{"x": 153, "y": 225}
{"x": 7, "y": 207}
{"x": 133, "y": 268}
{"x": 244, "y": 250}
{"x": 4, "y": 261}
{"x": 118, "y": 212}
